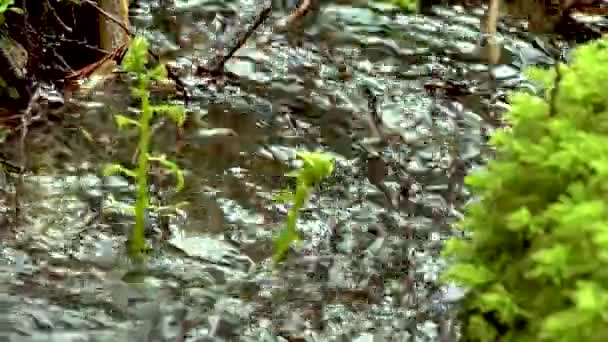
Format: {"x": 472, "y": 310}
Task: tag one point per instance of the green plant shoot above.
{"x": 135, "y": 62}
{"x": 7, "y": 5}
{"x": 317, "y": 166}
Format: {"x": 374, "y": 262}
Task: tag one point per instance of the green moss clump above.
{"x": 536, "y": 263}
{"x": 408, "y": 6}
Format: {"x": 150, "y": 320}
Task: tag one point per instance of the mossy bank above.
{"x": 534, "y": 259}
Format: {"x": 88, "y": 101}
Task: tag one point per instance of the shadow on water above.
{"x": 401, "y": 101}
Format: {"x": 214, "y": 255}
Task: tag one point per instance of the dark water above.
{"x": 368, "y": 266}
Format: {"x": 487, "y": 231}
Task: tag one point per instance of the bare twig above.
{"x": 26, "y": 120}
{"x": 81, "y": 43}
{"x": 216, "y": 67}
{"x": 57, "y": 18}
{"x": 60, "y": 58}
{"x": 89, "y": 69}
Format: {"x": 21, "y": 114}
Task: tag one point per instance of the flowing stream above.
{"x": 403, "y": 103}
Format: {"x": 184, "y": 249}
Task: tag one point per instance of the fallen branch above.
{"x": 216, "y": 66}
{"x": 26, "y": 120}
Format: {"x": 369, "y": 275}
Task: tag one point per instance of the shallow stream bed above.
{"x": 368, "y": 267}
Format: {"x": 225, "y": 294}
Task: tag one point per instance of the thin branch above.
{"x": 57, "y": 18}
{"x": 217, "y": 65}
{"x": 26, "y": 120}
{"x": 80, "y": 43}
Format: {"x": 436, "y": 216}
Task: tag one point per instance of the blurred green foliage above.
{"x": 7, "y": 5}
{"x": 407, "y": 6}
{"x": 535, "y": 260}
